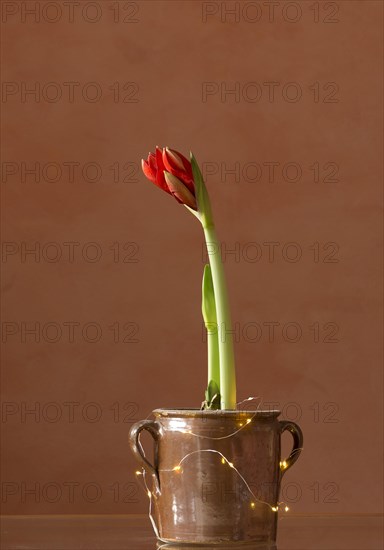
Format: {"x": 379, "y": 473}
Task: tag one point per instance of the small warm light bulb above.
{"x": 138, "y": 473}
{"x": 286, "y": 508}
{"x": 284, "y": 465}
{"x": 253, "y": 505}
{"x": 275, "y": 508}
{"x": 177, "y": 468}
{"x": 241, "y": 424}
{"x": 149, "y": 494}
{"x": 230, "y": 464}
{"x": 248, "y": 420}
{"x": 223, "y": 460}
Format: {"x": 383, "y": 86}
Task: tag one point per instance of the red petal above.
{"x": 185, "y": 175}
{"x": 148, "y": 171}
{"x": 180, "y": 191}
{"x": 152, "y": 161}
{"x": 186, "y": 163}
{"x": 160, "y": 180}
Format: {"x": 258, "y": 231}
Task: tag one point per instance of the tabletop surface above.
{"x": 135, "y": 533}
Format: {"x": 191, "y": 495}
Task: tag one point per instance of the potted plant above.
{"x": 216, "y": 471}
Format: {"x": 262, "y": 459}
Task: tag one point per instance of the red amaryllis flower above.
{"x": 172, "y": 172}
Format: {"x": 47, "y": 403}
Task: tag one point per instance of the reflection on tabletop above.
{"x": 243, "y": 546}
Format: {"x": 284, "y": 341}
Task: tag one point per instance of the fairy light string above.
{"x": 242, "y": 424}
{"x": 178, "y": 469}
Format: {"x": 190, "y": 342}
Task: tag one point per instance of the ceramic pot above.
{"x": 215, "y": 474}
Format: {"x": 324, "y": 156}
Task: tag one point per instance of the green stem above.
{"x": 224, "y": 326}
{"x": 213, "y": 355}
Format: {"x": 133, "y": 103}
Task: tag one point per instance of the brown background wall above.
{"x": 117, "y": 312}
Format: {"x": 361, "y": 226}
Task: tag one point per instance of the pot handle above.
{"x": 297, "y": 435}
{"x": 134, "y": 440}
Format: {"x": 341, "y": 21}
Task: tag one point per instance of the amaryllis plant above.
{"x": 177, "y": 176}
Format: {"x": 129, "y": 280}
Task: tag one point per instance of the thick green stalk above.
{"x": 208, "y": 307}
{"x": 213, "y": 355}
{"x": 224, "y": 326}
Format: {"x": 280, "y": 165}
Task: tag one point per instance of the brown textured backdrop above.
{"x": 102, "y": 323}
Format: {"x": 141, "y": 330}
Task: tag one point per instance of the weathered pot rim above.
{"x": 198, "y": 413}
